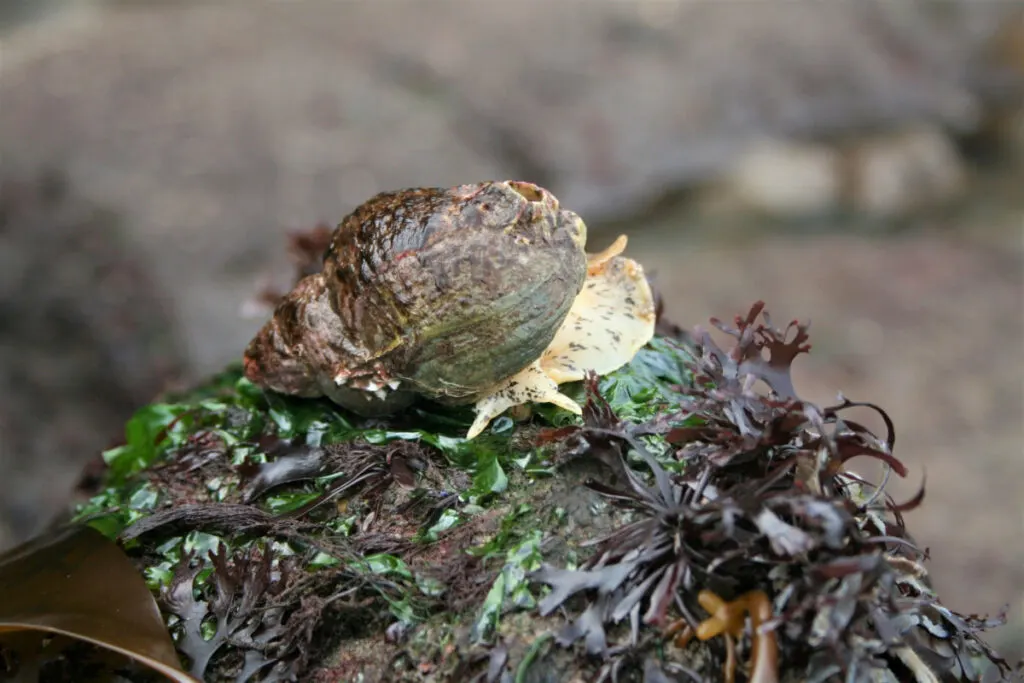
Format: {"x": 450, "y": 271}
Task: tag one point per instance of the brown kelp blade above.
{"x": 75, "y": 582}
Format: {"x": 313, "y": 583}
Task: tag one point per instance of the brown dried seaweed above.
{"x": 69, "y": 587}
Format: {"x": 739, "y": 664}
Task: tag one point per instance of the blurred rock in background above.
{"x": 85, "y": 338}
{"x": 751, "y": 150}
{"x": 213, "y": 126}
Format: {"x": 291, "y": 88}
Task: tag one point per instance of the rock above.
{"x": 784, "y": 179}
{"x": 628, "y": 107}
{"x": 894, "y": 175}
{"x": 1015, "y": 130}
{"x": 1003, "y": 127}
{"x": 84, "y": 340}
{"x": 215, "y": 126}
{"x": 883, "y": 176}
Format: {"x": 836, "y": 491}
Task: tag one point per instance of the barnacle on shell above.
{"x": 478, "y": 294}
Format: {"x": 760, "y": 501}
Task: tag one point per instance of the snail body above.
{"x": 479, "y": 293}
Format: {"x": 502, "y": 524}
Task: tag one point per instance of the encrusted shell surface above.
{"x": 439, "y": 292}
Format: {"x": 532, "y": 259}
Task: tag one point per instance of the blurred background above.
{"x": 857, "y": 164}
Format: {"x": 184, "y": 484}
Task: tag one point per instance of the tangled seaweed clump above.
{"x": 690, "y": 526}
{"x": 766, "y": 513}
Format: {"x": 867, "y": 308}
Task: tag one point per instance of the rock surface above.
{"x": 84, "y": 339}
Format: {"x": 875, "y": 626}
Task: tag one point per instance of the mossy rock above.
{"x": 288, "y": 540}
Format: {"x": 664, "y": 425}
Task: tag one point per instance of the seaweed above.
{"x": 699, "y": 521}
{"x": 765, "y": 512}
